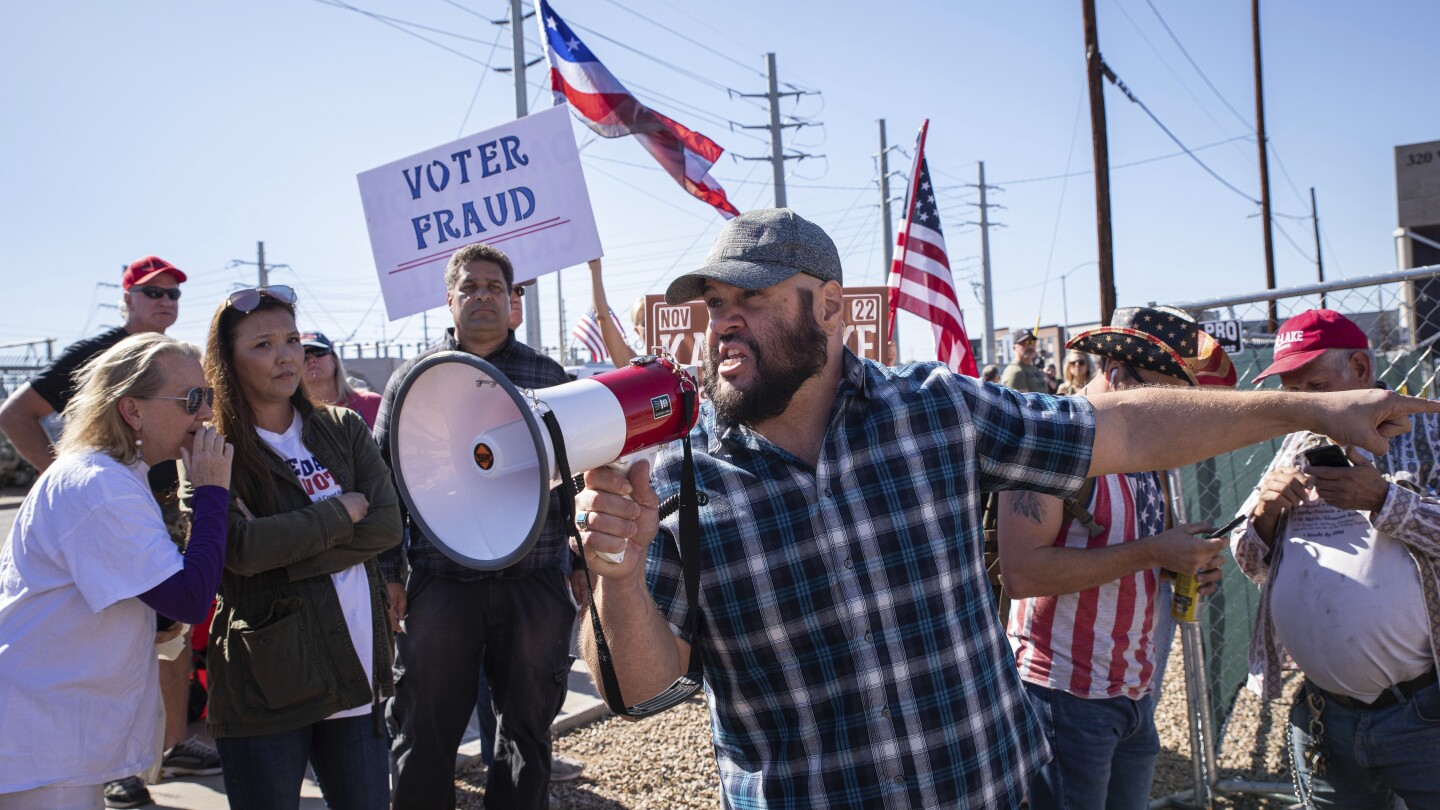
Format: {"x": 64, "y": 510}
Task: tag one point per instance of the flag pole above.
{"x": 909, "y": 215}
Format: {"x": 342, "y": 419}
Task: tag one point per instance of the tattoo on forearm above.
{"x": 1027, "y": 505}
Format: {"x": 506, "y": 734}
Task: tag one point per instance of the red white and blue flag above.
{"x": 920, "y": 279}
{"x": 587, "y": 332}
{"x": 603, "y": 103}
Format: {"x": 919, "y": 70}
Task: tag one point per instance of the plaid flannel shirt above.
{"x": 526, "y": 368}
{"x": 1411, "y": 514}
{"x": 852, "y": 651}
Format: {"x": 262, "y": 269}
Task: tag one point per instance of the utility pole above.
{"x": 1094, "y": 67}
{"x": 777, "y": 155}
{"x": 1264, "y": 162}
{"x": 522, "y": 109}
{"x": 560, "y": 319}
{"x": 989, "y": 342}
{"x": 260, "y": 256}
{"x": 887, "y": 234}
{"x": 1319, "y": 259}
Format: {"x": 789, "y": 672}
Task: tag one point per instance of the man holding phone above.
{"x": 1346, "y": 549}
{"x": 1089, "y": 621}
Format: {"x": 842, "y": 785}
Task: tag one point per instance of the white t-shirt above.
{"x": 79, "y": 685}
{"x": 1346, "y": 602}
{"x": 352, "y": 584}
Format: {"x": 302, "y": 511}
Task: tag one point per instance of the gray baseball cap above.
{"x": 759, "y": 249}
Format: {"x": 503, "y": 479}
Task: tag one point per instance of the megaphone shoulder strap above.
{"x": 689, "y": 545}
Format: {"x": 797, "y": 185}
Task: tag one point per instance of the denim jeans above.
{"x": 265, "y": 772}
{"x": 1373, "y": 757}
{"x": 518, "y": 631}
{"x": 1105, "y": 751}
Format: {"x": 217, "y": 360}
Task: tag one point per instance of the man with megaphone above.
{"x": 515, "y": 622}
{"x": 852, "y": 653}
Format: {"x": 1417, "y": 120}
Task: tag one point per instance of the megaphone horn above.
{"x": 475, "y": 463}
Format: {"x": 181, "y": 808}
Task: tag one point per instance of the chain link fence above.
{"x": 1400, "y": 312}
{"x": 19, "y": 362}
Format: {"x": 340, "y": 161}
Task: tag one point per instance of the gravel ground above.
{"x": 667, "y": 763}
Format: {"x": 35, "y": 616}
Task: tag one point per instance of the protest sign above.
{"x": 518, "y": 187}
{"x": 680, "y": 328}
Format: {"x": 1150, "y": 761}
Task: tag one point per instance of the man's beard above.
{"x": 793, "y": 355}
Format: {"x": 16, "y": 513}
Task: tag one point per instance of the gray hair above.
{"x": 1338, "y": 362}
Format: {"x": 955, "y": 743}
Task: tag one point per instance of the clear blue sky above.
{"x": 192, "y": 130}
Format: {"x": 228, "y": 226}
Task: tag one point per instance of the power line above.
{"x": 1194, "y": 64}
{"x": 1115, "y": 80}
{"x": 1270, "y": 147}
{"x": 1183, "y": 85}
{"x": 1129, "y": 165}
{"x": 402, "y": 29}
{"x": 499, "y": 32}
{"x": 705, "y": 80}
{"x": 695, "y": 42}
{"x": 1307, "y": 257}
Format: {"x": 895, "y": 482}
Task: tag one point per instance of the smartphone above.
{"x": 1224, "y": 531}
{"x": 1327, "y": 455}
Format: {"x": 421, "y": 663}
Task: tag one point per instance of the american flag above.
{"x": 587, "y": 332}
{"x": 603, "y": 104}
{"x": 920, "y": 279}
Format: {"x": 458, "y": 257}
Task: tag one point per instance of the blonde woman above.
{"x": 88, "y": 564}
{"x": 1078, "y": 372}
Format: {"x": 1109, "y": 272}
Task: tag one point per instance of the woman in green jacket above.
{"x": 299, "y": 655}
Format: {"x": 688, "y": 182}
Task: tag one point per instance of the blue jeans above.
{"x": 517, "y": 629}
{"x": 264, "y": 772}
{"x": 1105, "y": 751}
{"x": 1373, "y": 756}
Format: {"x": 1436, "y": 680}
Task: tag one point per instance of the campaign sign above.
{"x": 680, "y": 328}
{"x": 1229, "y": 334}
{"x": 518, "y": 187}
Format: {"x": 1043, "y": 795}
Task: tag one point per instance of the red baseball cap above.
{"x": 142, "y": 270}
{"x": 1307, "y": 335}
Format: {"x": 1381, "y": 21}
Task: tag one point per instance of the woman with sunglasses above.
{"x": 326, "y": 382}
{"x": 300, "y": 647}
{"x": 1078, "y": 372}
{"x": 88, "y": 564}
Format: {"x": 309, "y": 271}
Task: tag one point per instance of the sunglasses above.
{"x": 193, "y": 399}
{"x": 156, "y": 293}
{"x": 248, "y": 300}
{"x": 316, "y": 351}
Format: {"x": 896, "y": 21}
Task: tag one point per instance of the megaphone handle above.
{"x": 623, "y": 465}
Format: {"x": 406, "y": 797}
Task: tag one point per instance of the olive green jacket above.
{"x": 280, "y": 655}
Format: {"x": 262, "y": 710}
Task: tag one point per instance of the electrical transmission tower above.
{"x": 777, "y": 156}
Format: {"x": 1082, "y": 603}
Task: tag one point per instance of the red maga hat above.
{"x": 142, "y": 270}
{"x": 1307, "y": 335}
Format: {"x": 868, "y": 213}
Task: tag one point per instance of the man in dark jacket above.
{"x": 514, "y": 623}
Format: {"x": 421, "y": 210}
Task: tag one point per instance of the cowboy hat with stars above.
{"x": 1163, "y": 340}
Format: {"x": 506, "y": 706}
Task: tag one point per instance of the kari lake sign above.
{"x": 518, "y": 187}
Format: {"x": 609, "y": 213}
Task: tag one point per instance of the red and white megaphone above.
{"x": 474, "y": 459}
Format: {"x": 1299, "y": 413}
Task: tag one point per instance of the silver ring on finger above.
{"x": 582, "y": 521}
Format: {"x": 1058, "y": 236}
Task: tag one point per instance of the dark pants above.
{"x": 518, "y": 630}
{"x": 265, "y": 772}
